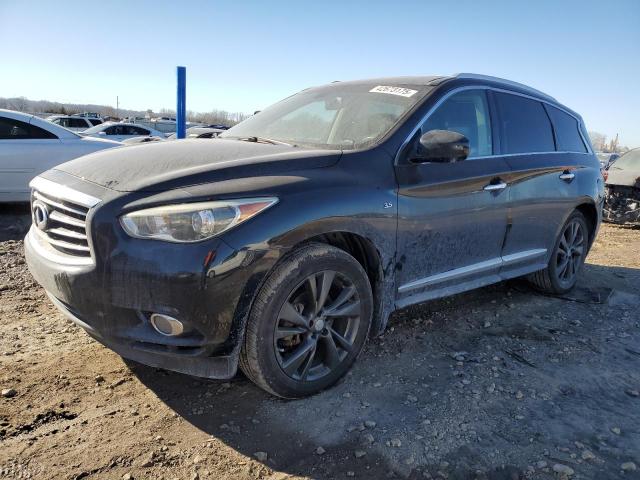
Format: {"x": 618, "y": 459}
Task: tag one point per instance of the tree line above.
{"x": 23, "y": 104}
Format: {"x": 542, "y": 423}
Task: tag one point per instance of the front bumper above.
{"x": 208, "y": 286}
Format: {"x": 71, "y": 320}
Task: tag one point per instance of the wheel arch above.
{"x": 590, "y": 212}
{"x": 368, "y": 256}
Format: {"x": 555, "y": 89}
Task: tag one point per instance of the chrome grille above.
{"x": 59, "y": 216}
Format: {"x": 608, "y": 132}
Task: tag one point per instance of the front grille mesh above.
{"x": 65, "y": 229}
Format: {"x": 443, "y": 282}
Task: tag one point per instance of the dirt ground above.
{"x": 500, "y": 383}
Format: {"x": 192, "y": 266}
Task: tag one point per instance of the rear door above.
{"x": 452, "y": 217}
{"x": 543, "y": 185}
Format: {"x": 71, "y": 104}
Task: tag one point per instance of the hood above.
{"x": 629, "y": 177}
{"x": 155, "y": 167}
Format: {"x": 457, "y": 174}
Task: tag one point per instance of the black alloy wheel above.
{"x": 308, "y": 322}
{"x": 317, "y": 326}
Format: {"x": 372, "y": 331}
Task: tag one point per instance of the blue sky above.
{"x": 242, "y": 56}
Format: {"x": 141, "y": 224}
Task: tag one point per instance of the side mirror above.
{"x": 443, "y": 146}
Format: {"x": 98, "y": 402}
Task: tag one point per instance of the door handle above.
{"x": 567, "y": 176}
{"x": 495, "y": 186}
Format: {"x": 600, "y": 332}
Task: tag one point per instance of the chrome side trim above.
{"x": 451, "y": 274}
{"x": 521, "y": 256}
{"x": 57, "y": 190}
{"x": 473, "y": 269}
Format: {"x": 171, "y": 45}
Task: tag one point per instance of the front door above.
{"x": 452, "y": 217}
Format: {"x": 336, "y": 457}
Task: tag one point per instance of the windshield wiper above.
{"x": 262, "y": 140}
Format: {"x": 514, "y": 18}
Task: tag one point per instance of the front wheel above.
{"x": 567, "y": 258}
{"x": 308, "y": 323}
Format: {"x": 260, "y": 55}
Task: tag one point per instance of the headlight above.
{"x": 190, "y": 222}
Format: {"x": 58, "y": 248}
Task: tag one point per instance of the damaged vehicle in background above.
{"x": 622, "y": 192}
{"x": 287, "y": 241}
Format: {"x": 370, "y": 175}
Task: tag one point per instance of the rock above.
{"x": 628, "y": 467}
{"x": 370, "y": 424}
{"x": 147, "y": 460}
{"x": 616, "y": 430}
{"x": 194, "y": 476}
{"x": 563, "y": 469}
{"x": 368, "y": 438}
{"x": 197, "y": 459}
{"x": 261, "y": 456}
{"x": 412, "y": 398}
{"x": 351, "y": 473}
{"x": 127, "y": 476}
{"x": 459, "y": 356}
{"x": 541, "y": 464}
{"x": 632, "y": 392}
{"x": 487, "y": 324}
{"x": 395, "y": 442}
{"x": 519, "y": 395}
{"x": 99, "y": 378}
{"x": 9, "y": 392}
{"x": 320, "y": 451}
{"x": 347, "y": 395}
{"x": 587, "y": 455}
{"x": 359, "y": 453}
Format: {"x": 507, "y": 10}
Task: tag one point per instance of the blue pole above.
{"x": 181, "y": 110}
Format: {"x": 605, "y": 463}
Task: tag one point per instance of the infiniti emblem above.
{"x": 40, "y": 215}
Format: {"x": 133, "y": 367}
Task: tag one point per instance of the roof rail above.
{"x": 521, "y": 86}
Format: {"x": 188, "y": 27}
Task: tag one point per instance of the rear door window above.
{"x": 524, "y": 125}
{"x": 567, "y": 131}
{"x": 465, "y": 113}
{"x": 77, "y": 123}
{"x": 137, "y": 131}
{"x": 11, "y": 129}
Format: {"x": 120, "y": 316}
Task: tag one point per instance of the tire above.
{"x": 291, "y": 351}
{"x": 556, "y": 279}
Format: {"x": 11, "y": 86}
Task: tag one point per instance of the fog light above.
{"x": 166, "y": 325}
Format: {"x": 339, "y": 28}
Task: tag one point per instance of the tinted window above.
{"x": 15, "y": 130}
{"x": 95, "y": 121}
{"x": 567, "y": 131}
{"x": 466, "y": 113}
{"x": 524, "y": 125}
{"x": 138, "y": 131}
{"x": 77, "y": 123}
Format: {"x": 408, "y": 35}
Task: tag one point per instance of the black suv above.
{"x": 282, "y": 244}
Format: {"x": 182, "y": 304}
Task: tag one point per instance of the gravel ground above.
{"x": 499, "y": 383}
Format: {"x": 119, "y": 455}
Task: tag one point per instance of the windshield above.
{"x": 337, "y": 116}
{"x": 630, "y": 160}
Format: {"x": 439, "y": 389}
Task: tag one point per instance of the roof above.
{"x": 510, "y": 83}
{"x": 433, "y": 80}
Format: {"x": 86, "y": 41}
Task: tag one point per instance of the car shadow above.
{"x": 382, "y": 385}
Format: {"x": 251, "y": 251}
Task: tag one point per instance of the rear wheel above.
{"x": 567, "y": 258}
{"x": 308, "y": 323}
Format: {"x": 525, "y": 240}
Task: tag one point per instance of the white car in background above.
{"x": 121, "y": 131}
{"x": 75, "y": 123}
{"x": 30, "y": 145}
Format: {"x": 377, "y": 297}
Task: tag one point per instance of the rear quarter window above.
{"x": 567, "y": 131}
{"x": 524, "y": 125}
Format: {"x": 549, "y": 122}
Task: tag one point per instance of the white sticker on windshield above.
{"x": 403, "y": 92}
